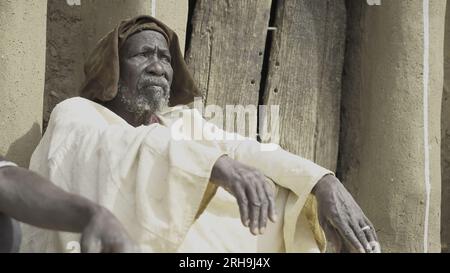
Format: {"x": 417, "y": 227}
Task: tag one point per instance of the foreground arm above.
{"x": 31, "y": 199}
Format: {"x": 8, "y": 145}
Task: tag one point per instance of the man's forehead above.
{"x": 146, "y": 37}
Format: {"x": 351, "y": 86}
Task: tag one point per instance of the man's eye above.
{"x": 166, "y": 58}
{"x": 142, "y": 54}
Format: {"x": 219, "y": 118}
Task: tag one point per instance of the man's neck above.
{"x": 133, "y": 119}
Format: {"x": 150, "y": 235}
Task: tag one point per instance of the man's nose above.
{"x": 155, "y": 68}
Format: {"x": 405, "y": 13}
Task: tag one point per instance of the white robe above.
{"x": 155, "y": 179}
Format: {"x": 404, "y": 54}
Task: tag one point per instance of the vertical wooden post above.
{"x": 226, "y": 54}
{"x": 304, "y": 79}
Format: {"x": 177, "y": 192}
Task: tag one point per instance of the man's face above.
{"x": 145, "y": 72}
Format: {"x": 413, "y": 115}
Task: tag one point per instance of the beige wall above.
{"x": 73, "y": 31}
{"x": 174, "y": 14}
{"x": 70, "y": 31}
{"x": 382, "y": 145}
{"x": 22, "y": 62}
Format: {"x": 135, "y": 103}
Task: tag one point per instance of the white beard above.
{"x": 149, "y": 99}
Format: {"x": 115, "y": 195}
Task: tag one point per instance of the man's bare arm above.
{"x": 34, "y": 200}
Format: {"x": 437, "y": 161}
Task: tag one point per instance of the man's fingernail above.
{"x": 255, "y": 231}
{"x": 262, "y": 230}
{"x": 375, "y": 246}
{"x": 247, "y": 223}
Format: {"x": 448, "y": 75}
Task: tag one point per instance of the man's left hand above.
{"x": 345, "y": 225}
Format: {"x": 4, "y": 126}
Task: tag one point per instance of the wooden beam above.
{"x": 305, "y": 69}
{"x": 226, "y": 54}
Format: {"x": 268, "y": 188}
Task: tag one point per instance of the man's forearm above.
{"x": 34, "y": 200}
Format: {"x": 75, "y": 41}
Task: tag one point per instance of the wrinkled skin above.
{"x": 105, "y": 234}
{"x": 145, "y": 54}
{"x": 32, "y": 199}
{"x": 255, "y": 198}
{"x": 341, "y": 218}
{"x": 145, "y": 78}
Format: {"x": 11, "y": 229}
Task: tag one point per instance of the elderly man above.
{"x": 122, "y": 148}
{"x": 32, "y": 199}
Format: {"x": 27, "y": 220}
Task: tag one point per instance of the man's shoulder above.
{"x": 75, "y": 109}
{"x": 75, "y": 102}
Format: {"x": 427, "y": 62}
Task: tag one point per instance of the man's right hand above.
{"x": 104, "y": 233}
{"x": 254, "y": 195}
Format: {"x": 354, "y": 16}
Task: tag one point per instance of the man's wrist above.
{"x": 325, "y": 184}
{"x": 94, "y": 211}
{"x": 219, "y": 170}
{"x": 85, "y": 211}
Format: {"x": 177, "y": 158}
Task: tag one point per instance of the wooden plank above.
{"x": 226, "y": 53}
{"x": 305, "y": 69}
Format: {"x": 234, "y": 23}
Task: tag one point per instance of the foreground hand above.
{"x": 254, "y": 195}
{"x": 105, "y": 234}
{"x": 344, "y": 223}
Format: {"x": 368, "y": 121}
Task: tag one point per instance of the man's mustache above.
{"x": 146, "y": 81}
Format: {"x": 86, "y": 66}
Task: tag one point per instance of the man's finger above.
{"x": 375, "y": 247}
{"x": 372, "y": 228}
{"x": 263, "y": 210}
{"x": 122, "y": 246}
{"x": 367, "y": 231}
{"x": 333, "y": 239}
{"x": 90, "y": 245}
{"x": 271, "y": 199}
{"x": 254, "y": 206}
{"x": 243, "y": 206}
{"x": 371, "y": 236}
{"x": 361, "y": 235}
{"x": 349, "y": 237}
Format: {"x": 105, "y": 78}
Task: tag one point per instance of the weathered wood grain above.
{"x": 305, "y": 69}
{"x": 226, "y": 54}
